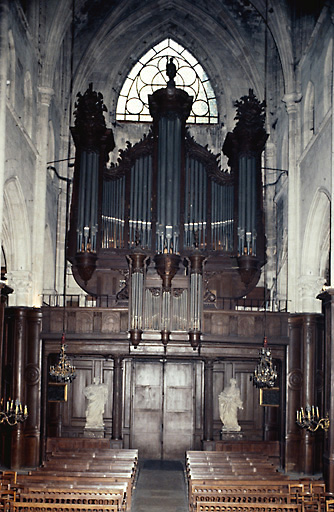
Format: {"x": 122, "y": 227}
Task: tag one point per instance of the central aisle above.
{"x": 160, "y": 487}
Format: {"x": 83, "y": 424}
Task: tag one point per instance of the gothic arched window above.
{"x": 149, "y": 74}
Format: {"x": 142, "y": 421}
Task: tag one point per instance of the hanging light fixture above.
{"x": 63, "y": 371}
{"x": 265, "y": 374}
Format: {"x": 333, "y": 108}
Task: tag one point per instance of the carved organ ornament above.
{"x": 167, "y": 213}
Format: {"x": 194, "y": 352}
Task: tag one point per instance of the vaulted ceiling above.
{"x": 230, "y": 38}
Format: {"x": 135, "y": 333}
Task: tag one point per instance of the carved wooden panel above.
{"x": 178, "y": 413}
{"x": 163, "y": 409}
{"x": 147, "y": 409}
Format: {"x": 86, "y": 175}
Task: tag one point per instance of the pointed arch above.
{"x": 315, "y": 250}
{"x": 149, "y": 74}
{"x": 16, "y": 229}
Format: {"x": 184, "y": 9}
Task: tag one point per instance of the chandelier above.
{"x": 12, "y": 413}
{"x": 63, "y": 371}
{"x": 265, "y": 374}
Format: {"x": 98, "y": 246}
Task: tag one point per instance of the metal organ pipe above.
{"x": 176, "y": 182}
{"x": 88, "y": 201}
{"x": 247, "y": 206}
{"x": 113, "y": 214}
{"x": 168, "y": 190}
{"x": 221, "y": 216}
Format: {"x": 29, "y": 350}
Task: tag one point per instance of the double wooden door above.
{"x": 163, "y": 408}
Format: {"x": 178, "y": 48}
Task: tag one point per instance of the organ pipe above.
{"x": 222, "y": 218}
{"x": 168, "y": 190}
{"x": 93, "y": 142}
{"x": 87, "y": 225}
{"x": 244, "y": 146}
{"x": 136, "y": 298}
{"x": 196, "y": 297}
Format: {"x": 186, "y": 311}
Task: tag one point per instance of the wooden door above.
{"x": 146, "y": 414}
{"x": 178, "y": 412}
{"x": 162, "y": 415}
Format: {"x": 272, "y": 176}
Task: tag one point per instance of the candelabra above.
{"x": 63, "y": 371}
{"x": 310, "y": 419}
{"x": 13, "y": 413}
{"x": 265, "y": 374}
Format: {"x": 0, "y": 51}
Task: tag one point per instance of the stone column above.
{"x": 20, "y": 281}
{"x": 208, "y": 442}
{"x": 45, "y": 96}
{"x": 269, "y": 214}
{"x": 3, "y": 95}
{"x": 291, "y": 102}
{"x": 310, "y": 287}
{"x": 117, "y": 409}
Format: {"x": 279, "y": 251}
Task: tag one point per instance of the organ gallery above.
{"x": 166, "y": 230}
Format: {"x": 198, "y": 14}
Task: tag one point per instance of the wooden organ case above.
{"x": 166, "y": 220}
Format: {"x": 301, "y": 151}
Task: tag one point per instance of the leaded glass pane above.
{"x": 149, "y": 74}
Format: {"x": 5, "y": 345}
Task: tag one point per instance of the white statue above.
{"x": 97, "y": 395}
{"x": 229, "y": 403}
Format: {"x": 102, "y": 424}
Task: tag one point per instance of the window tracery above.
{"x": 149, "y": 74}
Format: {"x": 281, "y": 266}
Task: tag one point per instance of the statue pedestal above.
{"x": 231, "y": 436}
{"x": 94, "y": 433}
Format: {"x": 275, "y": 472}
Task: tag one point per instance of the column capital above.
{"x": 291, "y": 99}
{"x": 45, "y": 95}
{"x": 21, "y": 282}
{"x": 310, "y": 287}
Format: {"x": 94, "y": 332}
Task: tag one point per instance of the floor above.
{"x": 160, "y": 487}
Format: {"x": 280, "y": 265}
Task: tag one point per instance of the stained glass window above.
{"x": 149, "y": 74}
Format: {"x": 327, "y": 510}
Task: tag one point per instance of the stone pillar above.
{"x": 269, "y": 215}
{"x": 32, "y": 431}
{"x": 208, "y": 443}
{"x": 291, "y": 102}
{"x": 20, "y": 281}
{"x": 45, "y": 96}
{"x": 310, "y": 287}
{"x": 3, "y": 95}
{"x": 117, "y": 409}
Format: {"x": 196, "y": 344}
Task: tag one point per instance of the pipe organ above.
{"x": 167, "y": 214}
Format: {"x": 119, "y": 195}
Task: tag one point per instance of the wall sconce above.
{"x": 310, "y": 419}
{"x": 13, "y": 413}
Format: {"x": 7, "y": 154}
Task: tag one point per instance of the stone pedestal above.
{"x": 231, "y": 436}
{"x": 94, "y": 433}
